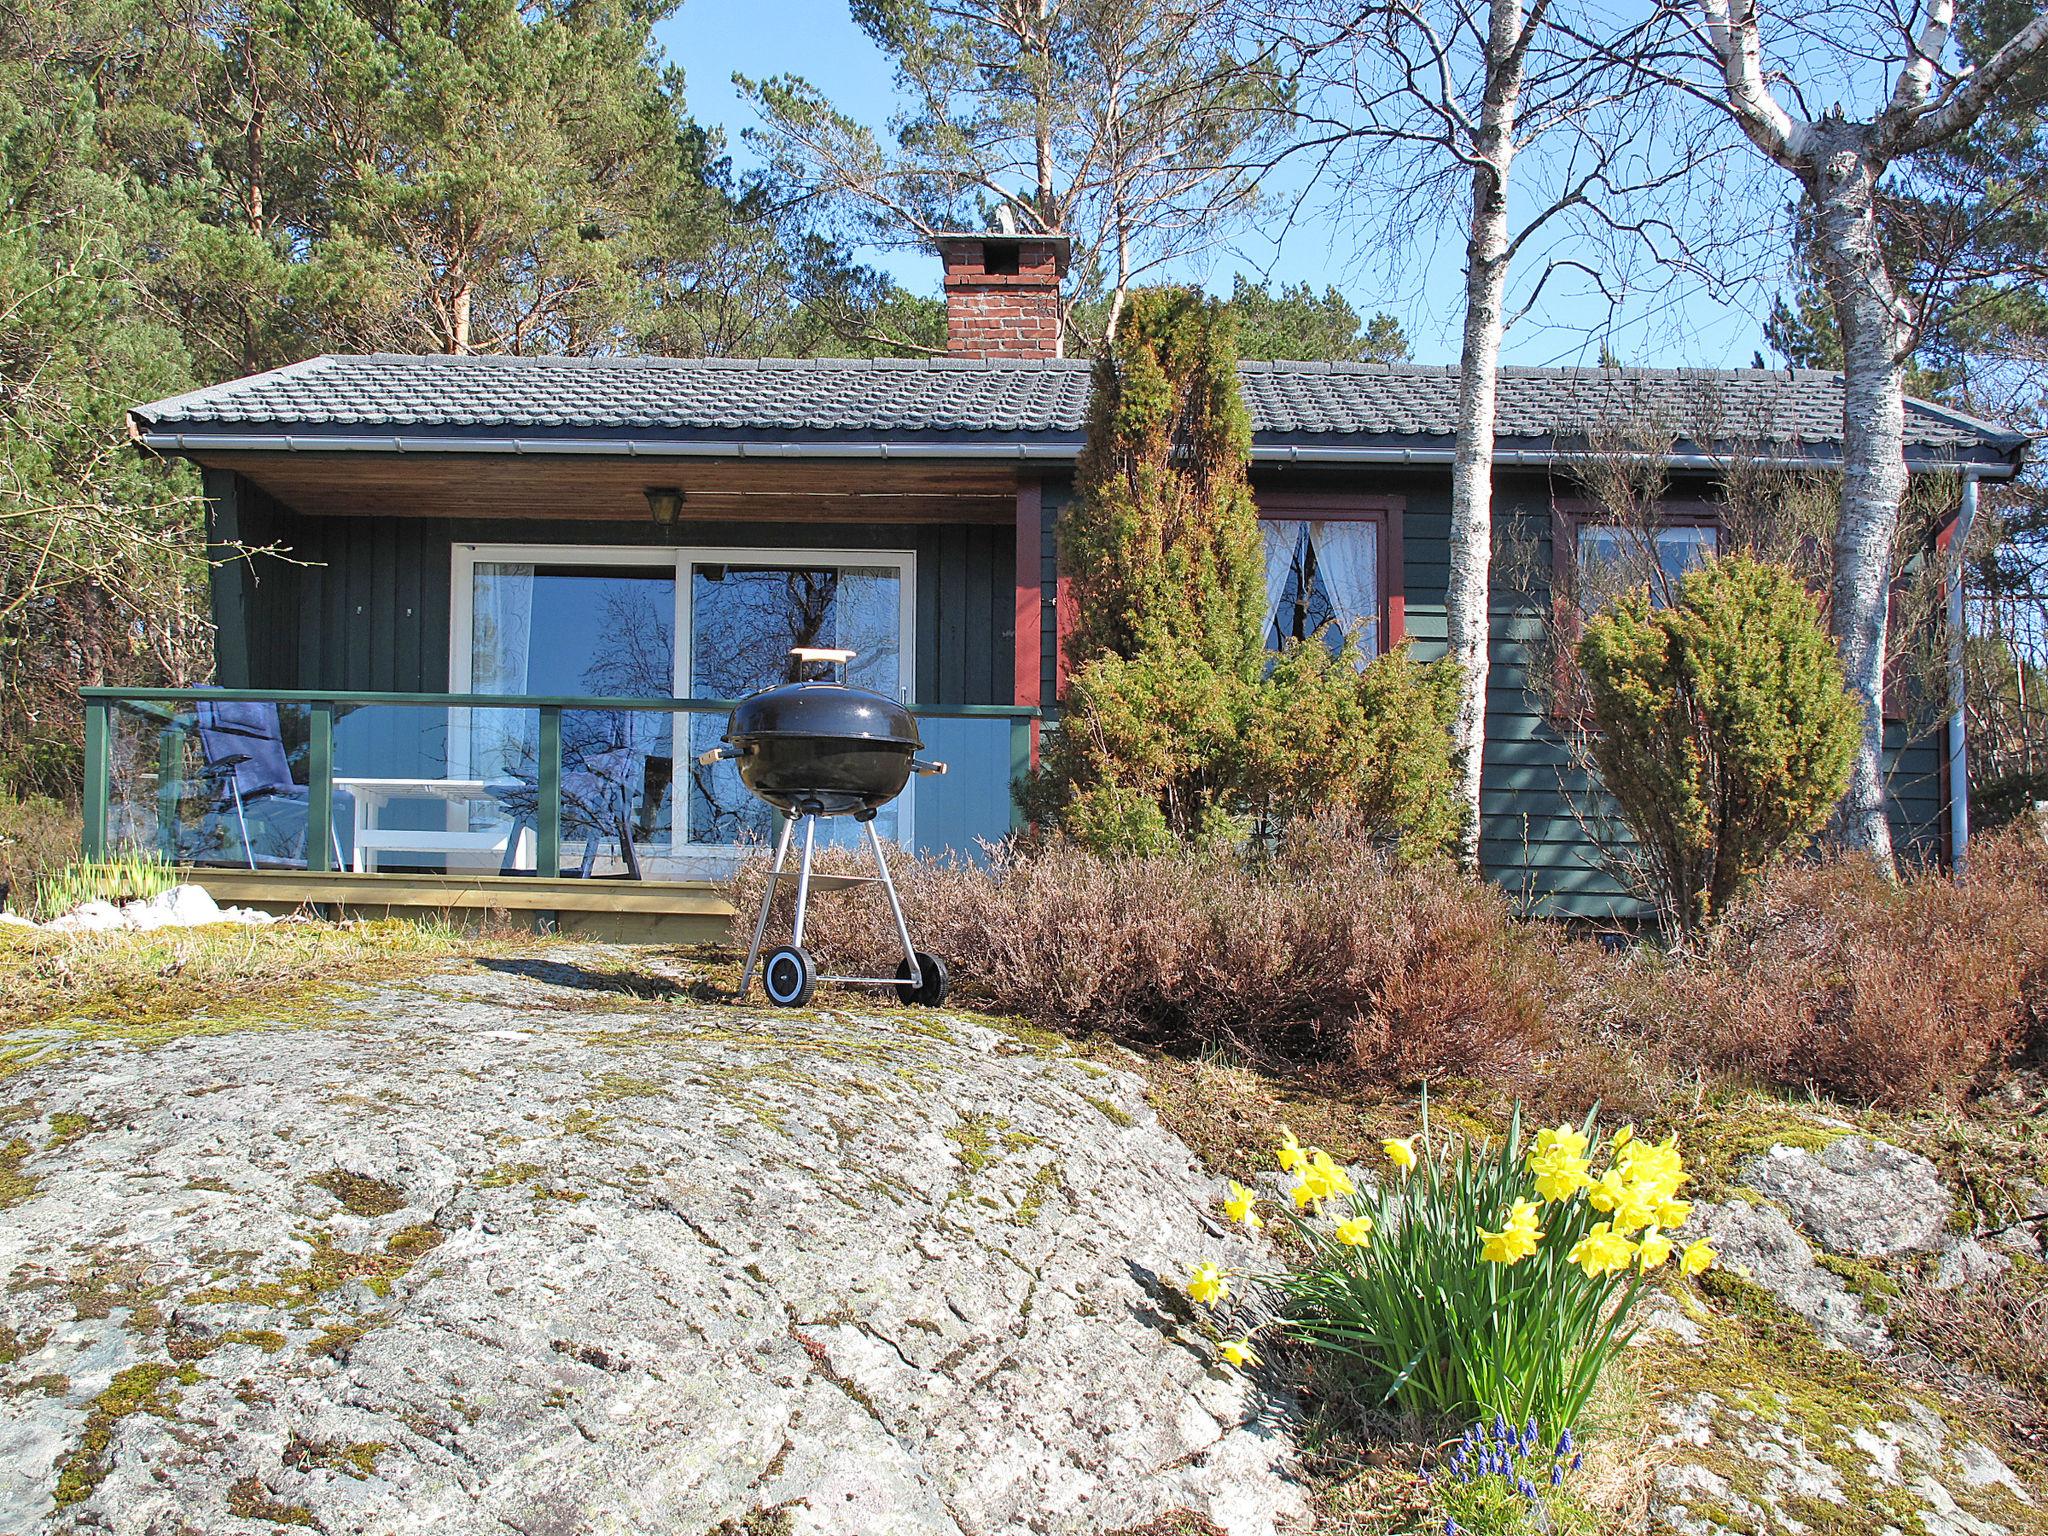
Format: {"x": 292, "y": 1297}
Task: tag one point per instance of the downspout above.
{"x": 1958, "y": 746}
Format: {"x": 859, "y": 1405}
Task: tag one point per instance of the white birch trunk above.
{"x": 1875, "y": 329}
{"x": 1468, "y": 599}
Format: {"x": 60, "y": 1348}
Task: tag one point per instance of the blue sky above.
{"x": 713, "y": 39}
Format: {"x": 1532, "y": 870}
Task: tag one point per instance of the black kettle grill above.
{"x": 814, "y": 749}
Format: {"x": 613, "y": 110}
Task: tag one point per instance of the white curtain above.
{"x": 1283, "y": 540}
{"x": 1348, "y": 559}
{"x": 500, "y": 650}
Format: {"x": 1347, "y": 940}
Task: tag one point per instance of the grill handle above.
{"x": 917, "y": 765}
{"x": 718, "y": 754}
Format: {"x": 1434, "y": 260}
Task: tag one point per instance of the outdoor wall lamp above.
{"x": 664, "y": 502}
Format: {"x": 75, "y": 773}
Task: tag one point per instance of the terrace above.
{"x": 589, "y": 814}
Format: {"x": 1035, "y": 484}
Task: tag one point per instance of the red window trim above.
{"x": 1309, "y": 506}
{"x": 1386, "y": 512}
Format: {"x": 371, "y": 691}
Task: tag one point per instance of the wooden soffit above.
{"x": 597, "y": 488}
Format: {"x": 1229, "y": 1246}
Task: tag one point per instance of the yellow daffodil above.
{"x": 1560, "y": 1138}
{"x": 1697, "y": 1256}
{"x": 1523, "y": 1214}
{"x": 1240, "y": 1205}
{"x": 1510, "y": 1245}
{"x": 1602, "y": 1251}
{"x": 1673, "y": 1213}
{"x": 1207, "y": 1284}
{"x": 1311, "y": 1188}
{"x": 1400, "y": 1151}
{"x": 1560, "y": 1174}
{"x": 1355, "y": 1233}
{"x": 1621, "y": 1138}
{"x": 1239, "y": 1353}
{"x": 1289, "y": 1154}
{"x": 1332, "y": 1175}
{"x": 1653, "y": 1250}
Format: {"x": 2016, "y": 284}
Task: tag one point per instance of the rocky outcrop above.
{"x": 520, "y": 1251}
{"x": 1766, "y": 1433}
{"x": 1858, "y": 1196}
{"x": 1892, "y": 1474}
{"x": 1758, "y": 1243}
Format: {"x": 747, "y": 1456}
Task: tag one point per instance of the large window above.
{"x": 744, "y": 620}
{"x": 1327, "y": 570}
{"x": 662, "y": 623}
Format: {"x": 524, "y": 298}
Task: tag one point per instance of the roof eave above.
{"x": 1986, "y": 460}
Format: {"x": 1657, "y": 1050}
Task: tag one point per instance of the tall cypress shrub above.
{"x": 1178, "y": 725}
{"x": 1161, "y": 545}
{"x": 1161, "y": 541}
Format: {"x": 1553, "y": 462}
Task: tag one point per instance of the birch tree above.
{"x": 1429, "y": 109}
{"x": 1135, "y": 127}
{"x": 1840, "y": 163}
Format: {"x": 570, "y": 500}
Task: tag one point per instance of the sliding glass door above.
{"x": 660, "y": 623}
{"x": 745, "y": 619}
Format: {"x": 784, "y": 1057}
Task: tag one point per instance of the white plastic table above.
{"x": 372, "y": 795}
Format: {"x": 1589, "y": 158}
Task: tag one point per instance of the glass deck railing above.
{"x": 485, "y": 784}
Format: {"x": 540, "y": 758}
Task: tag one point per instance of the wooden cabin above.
{"x": 402, "y": 536}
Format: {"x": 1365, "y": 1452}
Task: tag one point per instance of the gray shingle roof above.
{"x": 1302, "y": 407}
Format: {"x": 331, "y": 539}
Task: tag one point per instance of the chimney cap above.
{"x": 1063, "y": 245}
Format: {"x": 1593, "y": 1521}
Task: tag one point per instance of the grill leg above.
{"x": 767, "y": 899}
{"x": 895, "y": 906}
{"x": 803, "y": 883}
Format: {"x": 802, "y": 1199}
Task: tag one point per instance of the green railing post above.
{"x": 547, "y": 833}
{"x": 1020, "y": 766}
{"x": 320, "y": 786}
{"x": 96, "y": 775}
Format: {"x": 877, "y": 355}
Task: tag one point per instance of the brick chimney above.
{"x": 1003, "y": 293}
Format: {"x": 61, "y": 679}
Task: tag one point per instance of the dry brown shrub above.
{"x": 1997, "y": 1328}
{"x": 1828, "y": 977}
{"x": 1329, "y": 951}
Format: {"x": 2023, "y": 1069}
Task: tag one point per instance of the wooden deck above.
{"x": 631, "y": 911}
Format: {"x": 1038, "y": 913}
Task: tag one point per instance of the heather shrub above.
{"x": 1328, "y": 951}
{"x": 1724, "y": 730}
{"x": 1826, "y": 976}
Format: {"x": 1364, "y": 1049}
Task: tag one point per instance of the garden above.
{"x": 1496, "y": 1163}
{"x": 1727, "y": 1220}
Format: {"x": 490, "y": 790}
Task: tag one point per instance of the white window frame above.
{"x": 465, "y": 557}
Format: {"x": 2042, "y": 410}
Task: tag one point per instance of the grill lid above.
{"x": 832, "y": 711}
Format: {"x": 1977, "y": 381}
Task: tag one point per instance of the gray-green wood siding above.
{"x": 363, "y": 602}
{"x": 369, "y": 610}
{"x": 1538, "y": 810}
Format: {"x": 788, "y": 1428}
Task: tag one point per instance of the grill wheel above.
{"x": 930, "y": 991}
{"x": 791, "y": 976}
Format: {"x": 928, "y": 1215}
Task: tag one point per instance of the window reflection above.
{"x": 744, "y": 621}
{"x": 1614, "y": 559}
{"x": 564, "y": 630}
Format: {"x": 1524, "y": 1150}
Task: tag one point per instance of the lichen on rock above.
{"x": 385, "y": 1276}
